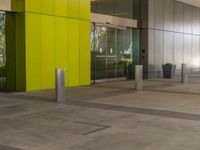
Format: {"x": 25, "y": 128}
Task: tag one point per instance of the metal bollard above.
{"x": 60, "y": 85}
{"x": 139, "y": 77}
{"x": 184, "y": 73}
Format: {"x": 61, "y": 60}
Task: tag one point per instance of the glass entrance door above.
{"x": 111, "y": 50}
{"x": 99, "y": 53}
{"x": 111, "y": 53}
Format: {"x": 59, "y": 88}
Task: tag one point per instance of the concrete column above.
{"x": 184, "y": 73}
{"x": 139, "y": 77}
{"x": 60, "y": 85}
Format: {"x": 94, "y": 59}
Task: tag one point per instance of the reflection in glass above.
{"x": 98, "y": 50}
{"x": 124, "y": 52}
{"x": 2, "y": 52}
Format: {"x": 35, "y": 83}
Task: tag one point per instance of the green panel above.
{"x": 17, "y": 5}
{"x": 136, "y": 49}
{"x": 85, "y": 9}
{"x": 33, "y": 6}
{"x": 33, "y": 52}
{"x": 20, "y": 52}
{"x": 73, "y": 54}
{"x": 85, "y": 53}
{"x": 61, "y": 43}
{"x": 48, "y": 7}
{"x": 10, "y": 52}
{"x": 61, "y": 7}
{"x": 73, "y": 8}
{"x": 47, "y": 52}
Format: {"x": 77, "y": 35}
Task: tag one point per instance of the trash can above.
{"x": 169, "y": 71}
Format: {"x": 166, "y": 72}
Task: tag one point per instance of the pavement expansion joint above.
{"x": 4, "y": 147}
{"x": 143, "y": 111}
{"x": 100, "y": 127}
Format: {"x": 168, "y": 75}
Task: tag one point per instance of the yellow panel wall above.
{"x": 73, "y": 54}
{"x": 47, "y": 7}
{"x": 84, "y": 9}
{"x": 33, "y": 6}
{"x": 61, "y": 8}
{"x": 85, "y": 53}
{"x": 73, "y": 8}
{"x": 33, "y": 52}
{"x": 61, "y": 44}
{"x": 57, "y": 36}
{"x": 47, "y": 52}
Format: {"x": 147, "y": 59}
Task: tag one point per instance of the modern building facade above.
{"x": 93, "y": 40}
{"x": 42, "y": 35}
{"x": 170, "y": 34}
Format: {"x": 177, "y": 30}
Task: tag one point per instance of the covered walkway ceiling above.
{"x": 11, "y": 5}
{"x": 195, "y": 3}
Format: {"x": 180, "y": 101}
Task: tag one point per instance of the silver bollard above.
{"x": 139, "y": 77}
{"x": 60, "y": 85}
{"x": 184, "y": 73}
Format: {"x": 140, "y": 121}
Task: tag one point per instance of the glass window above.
{"x": 120, "y": 8}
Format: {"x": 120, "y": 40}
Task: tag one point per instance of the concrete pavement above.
{"x": 106, "y": 116}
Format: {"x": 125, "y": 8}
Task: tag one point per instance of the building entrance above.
{"x": 111, "y": 49}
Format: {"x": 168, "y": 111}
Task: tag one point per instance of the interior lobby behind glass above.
{"x": 111, "y": 50}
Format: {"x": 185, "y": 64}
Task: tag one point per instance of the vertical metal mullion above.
{"x": 116, "y": 51}
{"x": 1, "y": 72}
{"x": 106, "y": 54}
{"x": 5, "y": 49}
{"x": 94, "y": 51}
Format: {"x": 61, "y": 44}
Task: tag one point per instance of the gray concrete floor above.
{"x": 105, "y": 116}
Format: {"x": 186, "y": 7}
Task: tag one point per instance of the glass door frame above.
{"x": 109, "y": 49}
